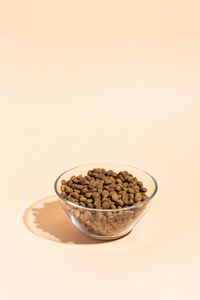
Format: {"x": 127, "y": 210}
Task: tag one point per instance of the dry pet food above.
{"x": 104, "y": 190}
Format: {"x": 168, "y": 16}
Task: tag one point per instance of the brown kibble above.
{"x": 84, "y": 190}
{"x": 138, "y": 197}
{"x": 68, "y": 189}
{"x": 136, "y": 189}
{"x": 79, "y": 186}
{"x": 63, "y": 194}
{"x": 107, "y": 181}
{"x": 86, "y": 215}
{"x": 114, "y": 196}
{"x": 98, "y": 216}
{"x": 88, "y": 195}
{"x": 63, "y": 182}
{"x": 131, "y": 197}
{"x": 105, "y": 193}
{"x": 76, "y": 213}
{"x": 92, "y": 184}
{"x": 130, "y": 202}
{"x": 83, "y": 199}
{"x": 83, "y": 181}
{"x": 130, "y": 179}
{"x": 95, "y": 175}
{"x": 69, "y": 183}
{"x": 118, "y": 188}
{"x": 90, "y": 200}
{"x": 124, "y": 197}
{"x": 106, "y": 204}
{"x": 143, "y": 189}
{"x": 75, "y": 195}
{"x": 74, "y": 179}
{"x": 97, "y": 203}
{"x": 62, "y": 188}
{"x": 120, "y": 202}
{"x": 95, "y": 195}
{"x": 90, "y": 205}
{"x": 99, "y": 190}
{"x": 113, "y": 206}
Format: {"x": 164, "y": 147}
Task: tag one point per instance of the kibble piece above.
{"x": 79, "y": 186}
{"x": 75, "y": 195}
{"x": 98, "y": 216}
{"x": 138, "y": 197}
{"x": 88, "y": 195}
{"x": 131, "y": 197}
{"x": 74, "y": 179}
{"x": 63, "y": 182}
{"x": 106, "y": 204}
{"x": 90, "y": 200}
{"x": 63, "y": 194}
{"x": 92, "y": 184}
{"x": 62, "y": 188}
{"x": 130, "y": 179}
{"x": 99, "y": 190}
{"x": 95, "y": 175}
{"x": 84, "y": 190}
{"x": 86, "y": 215}
{"x": 136, "y": 189}
{"x": 113, "y": 206}
{"x": 69, "y": 183}
{"x": 95, "y": 195}
{"x": 97, "y": 203}
{"x": 83, "y": 181}
{"x": 124, "y": 197}
{"x": 83, "y": 199}
{"x": 114, "y": 196}
{"x": 118, "y": 188}
{"x": 120, "y": 202}
{"x": 76, "y": 213}
{"x": 105, "y": 193}
{"x": 107, "y": 181}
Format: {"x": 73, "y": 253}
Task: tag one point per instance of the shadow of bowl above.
{"x": 47, "y": 219}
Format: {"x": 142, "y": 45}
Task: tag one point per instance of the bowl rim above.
{"x": 101, "y": 209}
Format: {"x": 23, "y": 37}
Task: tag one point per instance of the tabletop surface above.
{"x": 113, "y": 82}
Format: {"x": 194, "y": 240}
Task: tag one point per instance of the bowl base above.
{"x": 107, "y": 238}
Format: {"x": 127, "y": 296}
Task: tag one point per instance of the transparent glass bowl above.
{"x": 107, "y": 224}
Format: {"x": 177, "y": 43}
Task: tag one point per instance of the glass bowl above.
{"x": 107, "y": 224}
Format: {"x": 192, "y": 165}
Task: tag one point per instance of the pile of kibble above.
{"x": 103, "y": 189}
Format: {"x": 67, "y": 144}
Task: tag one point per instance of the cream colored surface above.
{"x": 80, "y": 82}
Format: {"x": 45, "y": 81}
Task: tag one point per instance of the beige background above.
{"x": 91, "y": 81}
